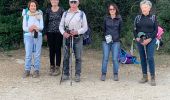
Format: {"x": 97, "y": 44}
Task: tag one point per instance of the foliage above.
{"x": 11, "y": 20}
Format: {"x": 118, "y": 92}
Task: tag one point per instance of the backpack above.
{"x": 126, "y": 58}
{"x": 87, "y": 38}
{"x": 160, "y": 33}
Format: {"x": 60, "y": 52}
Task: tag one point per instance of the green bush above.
{"x": 11, "y": 34}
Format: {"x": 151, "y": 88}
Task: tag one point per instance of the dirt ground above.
{"x": 14, "y": 87}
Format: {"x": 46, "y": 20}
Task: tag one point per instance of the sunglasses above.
{"x": 112, "y": 9}
{"x": 73, "y": 2}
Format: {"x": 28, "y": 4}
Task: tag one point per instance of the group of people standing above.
{"x": 67, "y": 27}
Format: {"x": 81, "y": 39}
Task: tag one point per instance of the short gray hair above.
{"x": 147, "y": 2}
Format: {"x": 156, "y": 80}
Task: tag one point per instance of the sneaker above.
{"x": 56, "y": 72}
{"x": 51, "y": 70}
{"x": 36, "y": 74}
{"x": 65, "y": 77}
{"x": 116, "y": 78}
{"x": 77, "y": 78}
{"x": 26, "y": 73}
{"x": 103, "y": 77}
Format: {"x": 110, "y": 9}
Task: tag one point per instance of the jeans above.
{"x": 114, "y": 48}
{"x": 77, "y": 50}
{"x": 147, "y": 57}
{"x": 32, "y": 48}
{"x": 55, "y": 43}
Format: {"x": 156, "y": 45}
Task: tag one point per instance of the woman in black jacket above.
{"x": 54, "y": 37}
{"x": 145, "y": 34}
{"x": 111, "y": 40}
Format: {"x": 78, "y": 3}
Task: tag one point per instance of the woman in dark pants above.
{"x": 54, "y": 37}
{"x": 111, "y": 40}
{"x": 145, "y": 33}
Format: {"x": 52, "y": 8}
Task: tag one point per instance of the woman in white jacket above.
{"x": 32, "y": 27}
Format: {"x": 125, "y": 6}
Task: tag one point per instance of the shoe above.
{"x": 103, "y": 77}
{"x": 153, "y": 83}
{"x": 65, "y": 77}
{"x": 56, "y": 72}
{"x": 26, "y": 74}
{"x": 51, "y": 70}
{"x": 36, "y": 74}
{"x": 144, "y": 79}
{"x": 77, "y": 78}
{"x": 116, "y": 78}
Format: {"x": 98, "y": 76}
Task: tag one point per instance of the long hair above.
{"x": 115, "y": 6}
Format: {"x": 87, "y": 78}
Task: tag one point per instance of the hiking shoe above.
{"x": 36, "y": 74}
{"x": 77, "y": 78}
{"x": 65, "y": 77}
{"x": 103, "y": 77}
{"x": 153, "y": 83}
{"x": 56, "y": 72}
{"x": 51, "y": 70}
{"x": 26, "y": 73}
{"x": 116, "y": 78}
{"x": 144, "y": 79}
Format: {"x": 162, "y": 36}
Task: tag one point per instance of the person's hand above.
{"x": 145, "y": 42}
{"x": 74, "y": 33}
{"x": 138, "y": 39}
{"x": 35, "y": 28}
{"x": 66, "y": 35}
{"x": 31, "y": 29}
{"x": 45, "y": 37}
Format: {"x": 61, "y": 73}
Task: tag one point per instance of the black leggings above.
{"x": 55, "y": 43}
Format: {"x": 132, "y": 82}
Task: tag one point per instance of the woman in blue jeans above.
{"x": 111, "y": 40}
{"x": 145, "y": 34}
{"x": 32, "y": 27}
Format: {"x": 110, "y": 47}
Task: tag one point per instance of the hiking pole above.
{"x": 33, "y": 52}
{"x": 64, "y": 47}
{"x": 35, "y": 39}
{"x": 71, "y": 58}
{"x": 132, "y": 48}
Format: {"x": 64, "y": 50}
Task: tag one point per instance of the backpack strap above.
{"x": 153, "y": 17}
{"x": 137, "y": 20}
{"x": 65, "y": 14}
{"x": 25, "y": 13}
{"x": 81, "y": 15}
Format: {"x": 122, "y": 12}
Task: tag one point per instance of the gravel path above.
{"x": 14, "y": 87}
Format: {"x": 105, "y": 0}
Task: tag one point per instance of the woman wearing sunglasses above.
{"x": 111, "y": 40}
